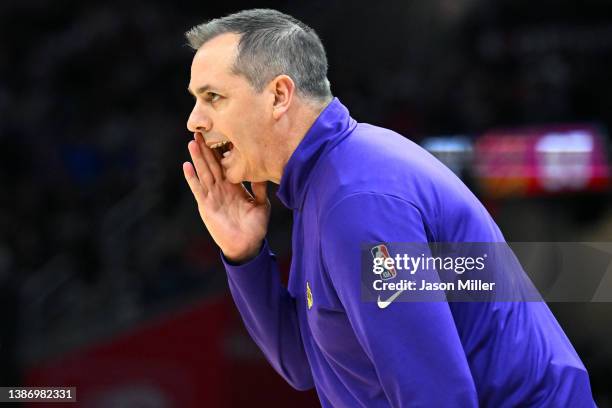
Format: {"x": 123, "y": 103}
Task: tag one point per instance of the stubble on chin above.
{"x": 233, "y": 178}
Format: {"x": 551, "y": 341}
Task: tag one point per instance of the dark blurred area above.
{"x": 108, "y": 279}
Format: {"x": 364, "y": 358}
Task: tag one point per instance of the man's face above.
{"x": 228, "y": 108}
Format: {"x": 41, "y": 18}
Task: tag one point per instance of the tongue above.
{"x": 228, "y": 151}
{"x": 230, "y": 146}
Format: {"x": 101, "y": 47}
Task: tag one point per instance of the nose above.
{"x": 199, "y": 121}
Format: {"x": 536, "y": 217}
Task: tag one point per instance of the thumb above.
{"x": 260, "y": 190}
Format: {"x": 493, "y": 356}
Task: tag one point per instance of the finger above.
{"x": 210, "y": 158}
{"x": 260, "y": 189}
{"x": 198, "y": 190}
{"x": 204, "y": 174}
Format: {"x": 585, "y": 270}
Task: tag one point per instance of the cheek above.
{"x": 252, "y": 135}
{"x": 249, "y": 130}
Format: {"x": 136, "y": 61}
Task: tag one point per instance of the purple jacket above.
{"x": 349, "y": 183}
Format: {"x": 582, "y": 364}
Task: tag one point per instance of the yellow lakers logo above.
{"x": 308, "y": 295}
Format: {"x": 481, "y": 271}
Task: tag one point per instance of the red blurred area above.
{"x": 542, "y": 160}
{"x": 195, "y": 358}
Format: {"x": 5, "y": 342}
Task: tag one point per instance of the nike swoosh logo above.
{"x": 384, "y": 303}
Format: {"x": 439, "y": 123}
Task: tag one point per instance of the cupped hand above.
{"x": 236, "y": 220}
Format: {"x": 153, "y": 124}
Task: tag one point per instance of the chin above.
{"x": 233, "y": 178}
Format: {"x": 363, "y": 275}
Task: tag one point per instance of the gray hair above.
{"x": 271, "y": 44}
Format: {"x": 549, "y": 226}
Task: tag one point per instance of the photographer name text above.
{"x": 423, "y": 285}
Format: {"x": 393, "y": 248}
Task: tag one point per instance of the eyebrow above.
{"x": 200, "y": 90}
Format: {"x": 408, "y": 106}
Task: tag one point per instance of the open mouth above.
{"x": 223, "y": 147}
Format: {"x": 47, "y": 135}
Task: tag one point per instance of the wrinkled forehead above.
{"x": 215, "y": 58}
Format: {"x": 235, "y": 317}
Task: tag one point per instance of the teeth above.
{"x": 217, "y": 145}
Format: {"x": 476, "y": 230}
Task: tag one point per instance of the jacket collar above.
{"x": 331, "y": 126}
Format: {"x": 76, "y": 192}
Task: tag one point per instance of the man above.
{"x": 264, "y": 112}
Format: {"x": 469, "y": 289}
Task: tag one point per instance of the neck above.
{"x": 299, "y": 120}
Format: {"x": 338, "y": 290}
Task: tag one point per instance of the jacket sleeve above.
{"x": 414, "y": 346}
{"x": 270, "y": 316}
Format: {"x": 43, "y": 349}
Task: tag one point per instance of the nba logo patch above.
{"x": 381, "y": 251}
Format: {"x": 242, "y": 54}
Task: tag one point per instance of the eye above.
{"x": 212, "y": 97}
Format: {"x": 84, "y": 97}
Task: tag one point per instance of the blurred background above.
{"x": 108, "y": 279}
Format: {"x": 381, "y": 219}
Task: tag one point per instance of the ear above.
{"x": 283, "y": 89}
